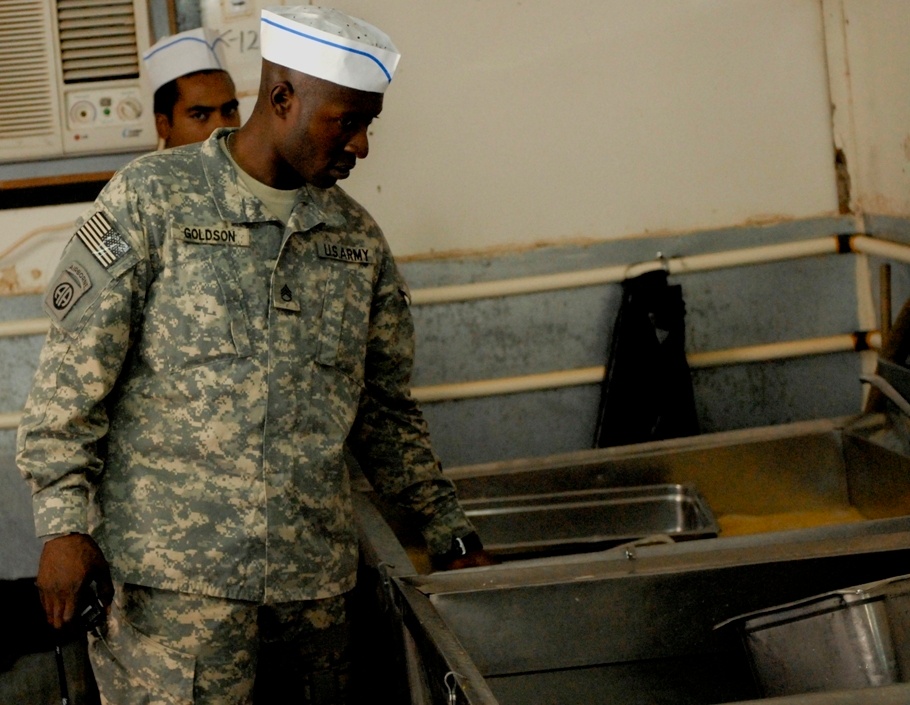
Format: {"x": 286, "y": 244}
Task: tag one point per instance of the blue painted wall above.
{"x": 570, "y": 329}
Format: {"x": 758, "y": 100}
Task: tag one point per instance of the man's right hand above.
{"x": 68, "y": 565}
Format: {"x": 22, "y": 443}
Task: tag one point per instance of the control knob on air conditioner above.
{"x": 129, "y": 109}
{"x": 82, "y": 112}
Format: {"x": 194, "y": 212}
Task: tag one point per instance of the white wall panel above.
{"x": 879, "y": 64}
{"x": 516, "y": 122}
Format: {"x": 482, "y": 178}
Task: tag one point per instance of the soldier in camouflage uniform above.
{"x": 226, "y": 325}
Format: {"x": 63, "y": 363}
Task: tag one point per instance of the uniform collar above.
{"x": 237, "y": 205}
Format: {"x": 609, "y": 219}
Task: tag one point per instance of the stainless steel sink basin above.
{"x": 757, "y": 480}
{"x": 801, "y": 509}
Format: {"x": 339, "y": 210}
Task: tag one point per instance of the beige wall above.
{"x": 515, "y": 122}
{"x": 878, "y": 78}
{"x": 31, "y": 240}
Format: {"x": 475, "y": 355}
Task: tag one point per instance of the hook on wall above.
{"x": 635, "y": 269}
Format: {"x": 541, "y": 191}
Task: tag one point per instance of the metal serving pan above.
{"x": 589, "y": 519}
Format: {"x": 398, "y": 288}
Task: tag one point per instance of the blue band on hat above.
{"x": 211, "y": 47}
{"x": 331, "y": 44}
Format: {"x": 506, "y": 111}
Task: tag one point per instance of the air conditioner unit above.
{"x": 71, "y": 78}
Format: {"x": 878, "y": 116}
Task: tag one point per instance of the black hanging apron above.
{"x": 646, "y": 394}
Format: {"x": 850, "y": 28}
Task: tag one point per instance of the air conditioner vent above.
{"x": 71, "y": 78}
{"x": 27, "y": 97}
{"x": 97, "y": 40}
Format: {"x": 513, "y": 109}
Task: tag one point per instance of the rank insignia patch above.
{"x": 102, "y": 240}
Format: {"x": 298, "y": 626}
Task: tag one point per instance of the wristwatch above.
{"x": 460, "y": 547}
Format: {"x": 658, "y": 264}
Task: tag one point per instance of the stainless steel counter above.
{"x": 635, "y": 623}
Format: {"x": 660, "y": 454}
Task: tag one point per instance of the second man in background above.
{"x": 194, "y": 93}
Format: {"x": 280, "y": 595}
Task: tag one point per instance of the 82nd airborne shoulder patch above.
{"x": 71, "y": 284}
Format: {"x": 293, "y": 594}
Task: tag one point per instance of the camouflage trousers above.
{"x": 167, "y": 648}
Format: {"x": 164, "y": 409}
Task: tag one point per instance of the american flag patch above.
{"x": 102, "y": 240}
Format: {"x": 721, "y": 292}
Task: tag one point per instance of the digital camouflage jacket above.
{"x": 206, "y": 369}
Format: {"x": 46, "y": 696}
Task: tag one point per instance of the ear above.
{"x": 163, "y": 126}
{"x": 282, "y": 98}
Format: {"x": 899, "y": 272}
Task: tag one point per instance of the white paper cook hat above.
{"x": 330, "y": 45}
{"x": 187, "y": 52}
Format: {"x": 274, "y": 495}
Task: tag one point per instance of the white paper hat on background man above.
{"x": 180, "y": 54}
{"x": 330, "y": 45}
